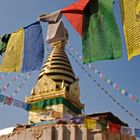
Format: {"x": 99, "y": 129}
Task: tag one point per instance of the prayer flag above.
{"x": 137, "y": 132}
{"x": 126, "y": 130}
{"x": 131, "y": 23}
{"x": 25, "y": 50}
{"x": 114, "y": 128}
{"x": 12, "y": 60}
{"x": 77, "y": 120}
{"x": 95, "y": 22}
{"x": 33, "y": 47}
{"x": 74, "y": 13}
{"x": 2, "y": 97}
{"x": 17, "y": 103}
{"x": 3, "y": 43}
{"x": 101, "y": 37}
{"x": 67, "y": 116}
{"x": 103, "y": 125}
{"x": 26, "y": 106}
{"x": 56, "y": 30}
{"x": 89, "y": 123}
{"x": 8, "y": 100}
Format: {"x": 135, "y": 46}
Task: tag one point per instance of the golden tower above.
{"x": 56, "y": 92}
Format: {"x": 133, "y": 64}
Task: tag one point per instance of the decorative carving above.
{"x": 74, "y": 90}
{"x": 37, "y": 132}
{"x": 44, "y": 85}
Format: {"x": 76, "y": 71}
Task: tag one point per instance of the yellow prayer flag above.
{"x": 12, "y": 60}
{"x": 89, "y": 123}
{"x": 131, "y": 23}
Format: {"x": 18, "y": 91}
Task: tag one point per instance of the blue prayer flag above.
{"x": 137, "y": 132}
{"x": 26, "y": 106}
{"x": 17, "y": 103}
{"x": 2, "y": 97}
{"x": 77, "y": 120}
{"x": 33, "y": 47}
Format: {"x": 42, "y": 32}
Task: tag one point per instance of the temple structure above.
{"x": 56, "y": 92}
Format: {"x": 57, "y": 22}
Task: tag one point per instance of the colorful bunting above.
{"x": 22, "y": 84}
{"x": 105, "y": 91}
{"x": 20, "y": 50}
{"x": 108, "y": 81}
{"x": 5, "y": 86}
{"x": 17, "y": 103}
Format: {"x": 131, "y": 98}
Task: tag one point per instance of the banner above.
{"x": 22, "y": 54}
{"x": 89, "y": 123}
{"x": 8, "y": 100}
{"x": 131, "y": 24}
{"x": 137, "y": 132}
{"x": 114, "y": 128}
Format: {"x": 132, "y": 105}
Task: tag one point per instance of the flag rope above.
{"x": 115, "y": 86}
{"x": 3, "y": 76}
{"x": 8, "y": 84}
{"x": 99, "y": 86}
{"x": 22, "y": 84}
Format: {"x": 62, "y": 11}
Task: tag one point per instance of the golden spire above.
{"x": 57, "y": 67}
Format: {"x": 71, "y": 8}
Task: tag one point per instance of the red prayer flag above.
{"x": 114, "y": 128}
{"x": 8, "y": 100}
{"x": 74, "y": 13}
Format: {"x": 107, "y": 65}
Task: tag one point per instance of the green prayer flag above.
{"x": 101, "y": 37}
{"x": 3, "y": 43}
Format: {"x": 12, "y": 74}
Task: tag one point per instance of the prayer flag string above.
{"x": 17, "y": 103}
{"x": 22, "y": 84}
{"x": 100, "y": 87}
{"x": 115, "y": 86}
{"x": 3, "y": 76}
{"x": 8, "y": 84}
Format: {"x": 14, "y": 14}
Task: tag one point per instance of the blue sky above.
{"x": 15, "y": 14}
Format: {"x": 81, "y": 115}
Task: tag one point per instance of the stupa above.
{"x": 57, "y": 88}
